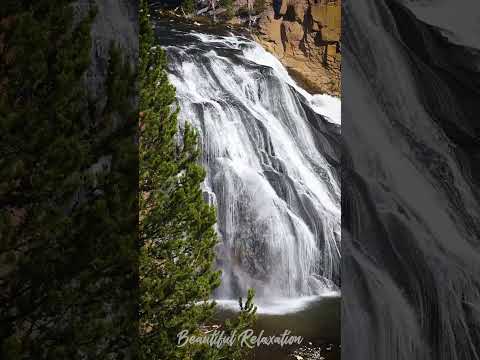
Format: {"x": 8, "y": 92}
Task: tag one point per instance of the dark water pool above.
{"x": 317, "y": 321}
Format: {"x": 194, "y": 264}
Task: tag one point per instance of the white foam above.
{"x": 278, "y": 306}
{"x": 326, "y": 105}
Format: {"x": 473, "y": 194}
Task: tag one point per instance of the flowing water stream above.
{"x": 272, "y": 156}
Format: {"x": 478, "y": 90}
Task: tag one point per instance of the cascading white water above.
{"x": 271, "y": 154}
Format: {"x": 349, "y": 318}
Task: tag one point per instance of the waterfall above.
{"x": 271, "y": 151}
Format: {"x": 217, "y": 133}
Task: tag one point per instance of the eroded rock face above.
{"x": 305, "y": 35}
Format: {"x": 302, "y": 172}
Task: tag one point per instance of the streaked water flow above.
{"x": 272, "y": 155}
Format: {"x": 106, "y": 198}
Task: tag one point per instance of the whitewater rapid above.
{"x": 272, "y": 156}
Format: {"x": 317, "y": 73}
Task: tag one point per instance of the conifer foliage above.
{"x": 68, "y": 200}
{"x": 176, "y": 225}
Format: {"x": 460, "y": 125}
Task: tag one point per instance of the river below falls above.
{"x": 316, "y": 320}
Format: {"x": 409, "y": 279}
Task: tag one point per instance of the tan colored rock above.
{"x": 305, "y": 38}
{"x": 300, "y": 8}
{"x": 267, "y": 21}
{"x": 296, "y": 8}
{"x": 332, "y": 50}
{"x": 270, "y": 31}
{"x": 284, "y": 7}
{"x": 327, "y": 17}
{"x": 292, "y": 32}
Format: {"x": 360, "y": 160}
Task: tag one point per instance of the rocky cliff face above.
{"x": 305, "y": 35}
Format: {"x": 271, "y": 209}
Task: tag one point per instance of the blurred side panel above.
{"x": 410, "y": 202}
{"x": 68, "y": 179}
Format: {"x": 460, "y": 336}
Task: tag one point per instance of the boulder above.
{"x": 292, "y": 32}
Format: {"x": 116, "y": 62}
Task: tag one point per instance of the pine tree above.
{"x": 176, "y": 225}
{"x": 67, "y": 224}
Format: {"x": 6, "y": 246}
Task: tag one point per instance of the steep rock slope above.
{"x": 305, "y": 36}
